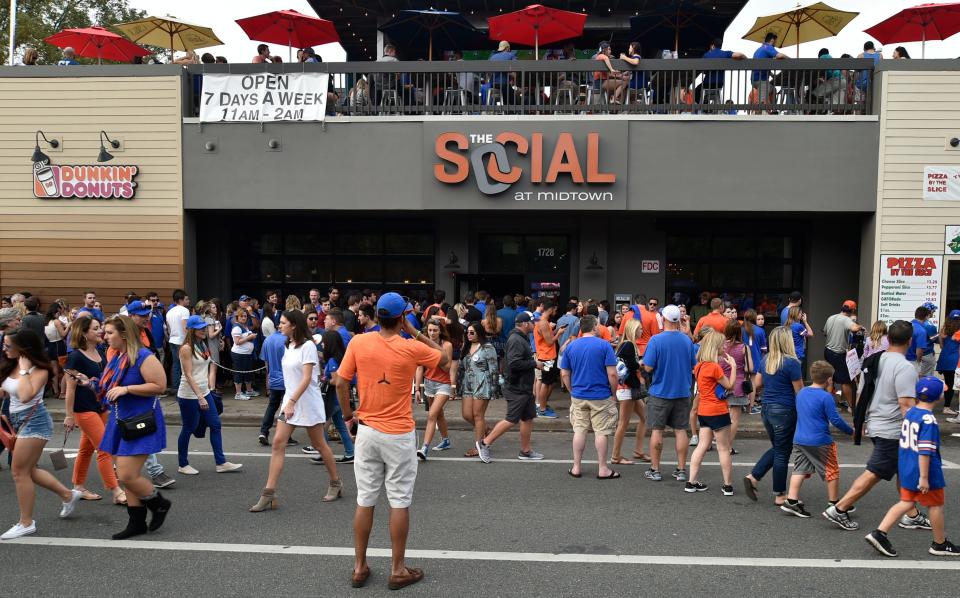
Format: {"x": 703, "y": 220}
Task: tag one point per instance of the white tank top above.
{"x": 52, "y": 332}
{"x": 10, "y": 385}
{"x": 200, "y": 370}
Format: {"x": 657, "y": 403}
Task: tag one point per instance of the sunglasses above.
{"x": 471, "y": 332}
{"x": 653, "y": 304}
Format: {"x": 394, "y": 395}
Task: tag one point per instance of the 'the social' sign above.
{"x": 264, "y": 97}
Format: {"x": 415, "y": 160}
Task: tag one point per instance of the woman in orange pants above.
{"x": 84, "y": 410}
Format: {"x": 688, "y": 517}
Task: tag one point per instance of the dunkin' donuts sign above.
{"x": 83, "y": 181}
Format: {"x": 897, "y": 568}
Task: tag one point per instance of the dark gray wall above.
{"x": 677, "y": 165}
{"x": 832, "y": 273}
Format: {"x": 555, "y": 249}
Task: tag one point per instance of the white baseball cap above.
{"x": 671, "y": 313}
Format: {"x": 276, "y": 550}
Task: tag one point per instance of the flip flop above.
{"x": 120, "y": 499}
{"x": 472, "y": 453}
{"x": 750, "y": 488}
{"x": 614, "y": 475}
{"x": 87, "y": 495}
{"x": 641, "y": 457}
{"x": 621, "y": 461}
{"x": 574, "y": 475}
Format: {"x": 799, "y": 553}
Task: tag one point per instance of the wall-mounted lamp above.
{"x": 39, "y": 156}
{"x": 594, "y": 262}
{"x": 104, "y": 155}
{"x": 453, "y": 263}
{"x": 953, "y": 142}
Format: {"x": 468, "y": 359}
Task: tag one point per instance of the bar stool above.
{"x": 787, "y": 96}
{"x": 564, "y": 96}
{"x": 638, "y": 96}
{"x": 494, "y": 97}
{"x": 389, "y": 98}
{"x": 712, "y": 95}
{"x": 596, "y": 96}
{"x": 454, "y": 97}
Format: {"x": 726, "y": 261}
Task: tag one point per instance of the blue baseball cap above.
{"x": 929, "y": 389}
{"x": 932, "y": 307}
{"x": 244, "y": 297}
{"x": 954, "y": 315}
{"x": 138, "y": 308}
{"x": 392, "y": 305}
{"x": 196, "y": 322}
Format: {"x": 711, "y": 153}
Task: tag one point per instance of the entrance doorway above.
{"x": 536, "y": 265}
{"x": 497, "y": 285}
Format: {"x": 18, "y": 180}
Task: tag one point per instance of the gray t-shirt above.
{"x": 836, "y": 330}
{"x": 898, "y": 378}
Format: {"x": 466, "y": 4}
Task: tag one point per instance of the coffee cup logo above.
{"x": 44, "y": 180}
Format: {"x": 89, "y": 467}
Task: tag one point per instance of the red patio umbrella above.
{"x": 919, "y": 24}
{"x": 97, "y": 42}
{"x": 537, "y": 24}
{"x": 291, "y": 28}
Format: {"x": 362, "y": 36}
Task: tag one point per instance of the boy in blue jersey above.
{"x": 921, "y": 473}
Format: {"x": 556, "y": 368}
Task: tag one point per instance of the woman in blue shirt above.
{"x": 949, "y": 356}
{"x": 781, "y": 379}
{"x": 800, "y": 329}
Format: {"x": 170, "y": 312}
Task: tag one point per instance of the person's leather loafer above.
{"x": 358, "y": 580}
{"x": 410, "y": 577}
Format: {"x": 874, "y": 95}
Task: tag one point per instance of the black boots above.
{"x": 136, "y": 525}
{"x": 158, "y": 506}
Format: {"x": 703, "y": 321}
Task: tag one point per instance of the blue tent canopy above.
{"x": 431, "y": 29}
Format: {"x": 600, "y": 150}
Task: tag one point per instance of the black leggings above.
{"x": 948, "y": 384}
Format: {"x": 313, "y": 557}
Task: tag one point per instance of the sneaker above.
{"x": 227, "y": 467}
{"x": 241, "y": 396}
{"x": 422, "y": 453}
{"x": 694, "y": 440}
{"x": 949, "y": 411}
{"x": 484, "y": 451}
{"x": 756, "y": 410}
{"x": 695, "y": 487}
{"x": 919, "y": 522}
{"x": 292, "y": 442}
{"x": 251, "y": 394}
{"x": 68, "y": 507}
{"x": 727, "y": 490}
{"x": 309, "y": 450}
{"x": 317, "y": 460}
{"x": 840, "y": 518}
{"x": 852, "y": 509}
{"x": 844, "y": 405}
{"x": 652, "y": 474}
{"x": 680, "y": 475}
{"x": 795, "y": 507}
{"x": 345, "y": 459}
{"x": 262, "y": 439}
{"x": 954, "y": 420}
{"x": 530, "y": 455}
{"x": 18, "y": 531}
{"x": 547, "y": 413}
{"x": 945, "y": 549}
{"x": 879, "y": 540}
{"x": 444, "y": 445}
{"x": 187, "y": 470}
{"x": 162, "y": 480}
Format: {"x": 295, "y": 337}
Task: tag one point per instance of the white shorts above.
{"x": 389, "y": 460}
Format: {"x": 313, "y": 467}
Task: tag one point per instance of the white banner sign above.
{"x": 941, "y": 183}
{"x": 264, "y": 97}
{"x": 906, "y": 283}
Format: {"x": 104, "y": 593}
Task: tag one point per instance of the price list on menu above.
{"x": 906, "y": 283}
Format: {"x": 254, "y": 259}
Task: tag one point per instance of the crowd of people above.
{"x": 356, "y": 365}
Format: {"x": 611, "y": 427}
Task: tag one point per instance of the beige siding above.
{"x": 59, "y": 248}
{"x": 919, "y": 114}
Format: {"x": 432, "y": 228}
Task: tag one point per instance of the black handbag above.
{"x": 138, "y": 426}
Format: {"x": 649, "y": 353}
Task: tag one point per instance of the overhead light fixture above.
{"x": 39, "y": 156}
{"x": 104, "y": 155}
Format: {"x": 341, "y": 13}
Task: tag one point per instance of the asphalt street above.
{"x": 504, "y": 529}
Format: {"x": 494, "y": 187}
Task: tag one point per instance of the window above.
{"x": 541, "y": 254}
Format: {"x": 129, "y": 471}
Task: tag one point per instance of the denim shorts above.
{"x": 39, "y": 426}
{"x": 432, "y": 388}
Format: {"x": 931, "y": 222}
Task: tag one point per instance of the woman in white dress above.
{"x": 302, "y": 406}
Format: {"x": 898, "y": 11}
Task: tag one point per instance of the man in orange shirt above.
{"x": 386, "y": 446}
{"x": 545, "y": 340}
{"x": 649, "y": 324}
{"x": 715, "y": 319}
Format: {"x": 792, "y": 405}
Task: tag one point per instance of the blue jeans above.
{"x": 341, "y": 426}
{"x": 275, "y": 397}
{"x": 190, "y": 414}
{"x": 153, "y": 466}
{"x": 780, "y": 422}
{"x": 175, "y": 368}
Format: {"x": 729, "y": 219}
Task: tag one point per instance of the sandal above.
{"x": 472, "y": 453}
{"x": 120, "y": 499}
{"x": 621, "y": 461}
{"x": 574, "y": 475}
{"x": 88, "y": 495}
{"x": 641, "y": 457}
{"x": 614, "y": 475}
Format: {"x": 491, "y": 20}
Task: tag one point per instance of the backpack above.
{"x": 623, "y": 372}
{"x": 870, "y": 371}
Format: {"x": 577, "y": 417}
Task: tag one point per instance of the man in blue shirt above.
{"x": 501, "y": 79}
{"x": 589, "y": 369}
{"x": 271, "y": 353}
{"x": 919, "y": 350}
{"x": 715, "y": 79}
{"x": 761, "y": 78}
{"x": 507, "y": 315}
{"x": 671, "y": 358}
{"x": 69, "y": 58}
{"x": 568, "y": 325}
{"x": 795, "y": 300}
{"x": 89, "y": 300}
{"x": 334, "y": 321}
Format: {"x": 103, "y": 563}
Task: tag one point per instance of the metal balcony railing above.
{"x": 697, "y": 86}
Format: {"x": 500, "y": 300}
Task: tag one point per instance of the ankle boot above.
{"x": 158, "y": 506}
{"x": 268, "y": 500}
{"x": 334, "y": 491}
{"x": 136, "y": 524}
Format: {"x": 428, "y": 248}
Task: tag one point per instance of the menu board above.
{"x": 906, "y": 283}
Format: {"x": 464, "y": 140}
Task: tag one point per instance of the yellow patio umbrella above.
{"x": 169, "y": 32}
{"x": 802, "y": 24}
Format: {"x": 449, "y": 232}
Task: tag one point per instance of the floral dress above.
{"x": 481, "y": 373}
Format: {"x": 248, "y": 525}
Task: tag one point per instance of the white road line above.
{"x": 462, "y": 555}
{"x": 299, "y": 455}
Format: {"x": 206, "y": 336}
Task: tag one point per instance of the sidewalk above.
{"x": 250, "y": 413}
